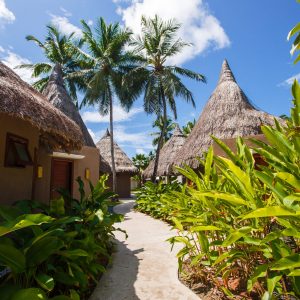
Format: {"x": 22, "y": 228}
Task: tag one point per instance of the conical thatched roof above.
{"x": 122, "y": 161}
{"x": 166, "y": 155}
{"x": 57, "y": 94}
{"x": 18, "y": 99}
{"x": 227, "y": 114}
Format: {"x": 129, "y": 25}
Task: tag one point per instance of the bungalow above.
{"x": 32, "y": 133}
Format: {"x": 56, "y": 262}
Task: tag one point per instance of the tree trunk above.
{"x": 112, "y": 149}
{"x": 161, "y": 138}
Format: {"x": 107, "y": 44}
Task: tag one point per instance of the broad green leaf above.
{"x": 45, "y": 281}
{"x": 236, "y": 235}
{"x": 23, "y": 222}
{"x": 7, "y": 291}
{"x": 231, "y": 198}
{"x": 289, "y": 178}
{"x": 73, "y": 254}
{"x": 271, "y": 211}
{"x": 294, "y": 273}
{"x": 57, "y": 206}
{"x": 13, "y": 258}
{"x": 294, "y": 31}
{"x": 204, "y": 228}
{"x": 288, "y": 262}
{"x": 29, "y": 294}
{"x": 271, "y": 283}
{"x": 42, "y": 250}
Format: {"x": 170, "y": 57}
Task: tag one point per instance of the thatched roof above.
{"x": 18, "y": 99}
{"x": 122, "y": 161}
{"x": 57, "y": 94}
{"x": 166, "y": 155}
{"x": 227, "y": 114}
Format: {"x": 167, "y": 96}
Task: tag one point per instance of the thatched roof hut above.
{"x": 227, "y": 114}
{"x": 57, "y": 94}
{"x": 19, "y": 100}
{"x": 166, "y": 155}
{"x": 122, "y": 161}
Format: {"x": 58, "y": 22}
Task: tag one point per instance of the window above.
{"x": 17, "y": 153}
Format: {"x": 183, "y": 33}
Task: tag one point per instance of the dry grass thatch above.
{"x": 19, "y": 100}
{"x": 57, "y": 94}
{"x": 122, "y": 161}
{"x": 166, "y": 155}
{"x": 227, "y": 114}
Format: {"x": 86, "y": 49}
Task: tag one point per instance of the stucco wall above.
{"x": 123, "y": 184}
{"x": 16, "y": 183}
{"x": 90, "y": 161}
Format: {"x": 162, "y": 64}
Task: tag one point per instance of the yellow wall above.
{"x": 16, "y": 183}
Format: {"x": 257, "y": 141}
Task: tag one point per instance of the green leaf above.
{"x": 271, "y": 211}
{"x": 57, "y": 206}
{"x": 236, "y": 235}
{"x": 23, "y": 222}
{"x": 42, "y": 250}
{"x": 288, "y": 262}
{"x": 72, "y": 254}
{"x": 7, "y": 290}
{"x": 45, "y": 281}
{"x": 204, "y": 228}
{"x": 12, "y": 257}
{"x": 289, "y": 178}
{"x": 271, "y": 283}
{"x": 29, "y": 294}
{"x": 295, "y": 273}
{"x": 231, "y": 198}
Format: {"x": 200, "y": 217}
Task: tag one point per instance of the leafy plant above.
{"x": 60, "y": 251}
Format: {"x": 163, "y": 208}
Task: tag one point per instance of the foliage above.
{"x": 58, "y": 48}
{"x": 141, "y": 162}
{"x": 61, "y": 250}
{"x": 295, "y": 32}
{"x": 159, "y": 124}
{"x": 150, "y": 199}
{"x": 187, "y": 129}
{"x": 240, "y": 219}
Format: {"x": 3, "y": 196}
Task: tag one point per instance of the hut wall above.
{"x": 16, "y": 183}
{"x": 231, "y": 143}
{"x": 123, "y": 184}
{"x": 90, "y": 161}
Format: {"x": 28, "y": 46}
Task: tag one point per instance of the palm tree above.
{"x": 58, "y": 49}
{"x": 187, "y": 129}
{"x": 159, "y": 123}
{"x": 102, "y": 70}
{"x": 160, "y": 81}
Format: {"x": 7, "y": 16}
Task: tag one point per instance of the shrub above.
{"x": 59, "y": 251}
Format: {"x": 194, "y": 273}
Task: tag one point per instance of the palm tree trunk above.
{"x": 112, "y": 148}
{"x": 161, "y": 138}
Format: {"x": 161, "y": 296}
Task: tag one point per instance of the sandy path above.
{"x": 143, "y": 266}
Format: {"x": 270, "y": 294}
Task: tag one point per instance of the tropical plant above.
{"x": 159, "y": 81}
{"x": 59, "y": 49}
{"x": 295, "y": 32}
{"x": 159, "y": 124}
{"x": 141, "y": 162}
{"x": 103, "y": 69}
{"x": 239, "y": 220}
{"x": 187, "y": 129}
{"x": 59, "y": 252}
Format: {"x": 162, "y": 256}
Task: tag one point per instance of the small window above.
{"x": 17, "y": 153}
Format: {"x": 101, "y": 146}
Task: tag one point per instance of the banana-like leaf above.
{"x": 29, "y": 294}
{"x": 45, "y": 281}
{"x": 13, "y": 258}
{"x": 288, "y": 262}
{"x": 271, "y": 211}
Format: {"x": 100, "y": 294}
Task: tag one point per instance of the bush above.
{"x": 59, "y": 251}
{"x": 240, "y": 220}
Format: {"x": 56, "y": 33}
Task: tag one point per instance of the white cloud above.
{"x": 13, "y": 60}
{"x": 140, "y": 151}
{"x": 290, "y": 80}
{"x": 65, "y": 12}
{"x": 65, "y": 26}
{"x": 120, "y": 115}
{"x": 199, "y": 26}
{"x": 90, "y": 22}
{"x": 6, "y": 16}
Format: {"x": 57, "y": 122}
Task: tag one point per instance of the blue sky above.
{"x": 250, "y": 34}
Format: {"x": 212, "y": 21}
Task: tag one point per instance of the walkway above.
{"x": 143, "y": 267}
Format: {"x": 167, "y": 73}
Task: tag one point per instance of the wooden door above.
{"x": 61, "y": 176}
